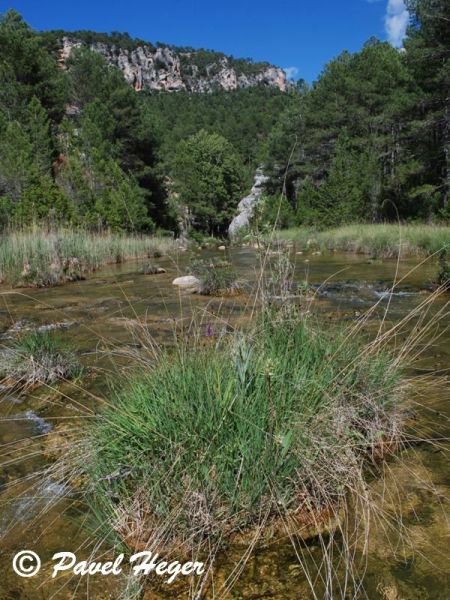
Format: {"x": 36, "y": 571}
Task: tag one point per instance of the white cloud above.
{"x": 291, "y": 72}
{"x": 396, "y": 22}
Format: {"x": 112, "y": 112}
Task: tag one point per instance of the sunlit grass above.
{"x": 207, "y": 440}
{"x": 36, "y": 257}
{"x": 384, "y": 240}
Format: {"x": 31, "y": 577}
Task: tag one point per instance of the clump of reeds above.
{"x": 38, "y": 357}
{"x": 40, "y": 258}
{"x": 151, "y": 269}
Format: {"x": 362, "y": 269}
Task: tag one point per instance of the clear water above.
{"x": 406, "y": 561}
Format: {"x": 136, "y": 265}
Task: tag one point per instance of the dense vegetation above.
{"x": 368, "y": 141}
{"x": 381, "y": 240}
{"x": 79, "y": 146}
{"x": 38, "y": 258}
{"x": 371, "y": 138}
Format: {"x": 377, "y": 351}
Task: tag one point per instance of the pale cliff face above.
{"x": 161, "y": 69}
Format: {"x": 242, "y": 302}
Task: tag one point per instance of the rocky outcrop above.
{"x": 170, "y": 70}
{"x": 246, "y": 206}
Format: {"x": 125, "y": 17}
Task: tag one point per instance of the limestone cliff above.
{"x": 170, "y": 69}
{"x": 246, "y": 206}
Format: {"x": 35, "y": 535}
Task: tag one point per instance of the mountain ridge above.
{"x": 163, "y": 67}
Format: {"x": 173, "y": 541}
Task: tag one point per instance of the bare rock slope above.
{"x": 165, "y": 68}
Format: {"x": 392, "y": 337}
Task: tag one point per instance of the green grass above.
{"x": 38, "y": 357}
{"x": 211, "y": 440}
{"x": 38, "y": 258}
{"x": 217, "y": 277}
{"x": 378, "y": 240}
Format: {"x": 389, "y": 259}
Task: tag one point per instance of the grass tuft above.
{"x": 217, "y": 278}
{"x": 38, "y": 357}
{"x": 211, "y": 441}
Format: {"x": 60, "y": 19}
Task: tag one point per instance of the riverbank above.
{"x": 381, "y": 241}
{"x": 38, "y": 258}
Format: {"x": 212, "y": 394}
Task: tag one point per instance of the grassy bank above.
{"x": 377, "y": 240}
{"x": 37, "y": 258}
{"x": 215, "y": 440}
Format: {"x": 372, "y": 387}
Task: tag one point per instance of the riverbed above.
{"x": 105, "y": 317}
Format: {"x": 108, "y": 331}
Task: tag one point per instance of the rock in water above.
{"x": 188, "y": 282}
{"x": 246, "y": 206}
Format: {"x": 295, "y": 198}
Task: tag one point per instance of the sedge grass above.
{"x": 383, "y": 240}
{"x": 38, "y": 357}
{"x": 207, "y": 441}
{"x": 39, "y": 258}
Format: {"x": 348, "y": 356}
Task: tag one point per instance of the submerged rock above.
{"x": 53, "y": 326}
{"x": 152, "y": 270}
{"x": 37, "y": 424}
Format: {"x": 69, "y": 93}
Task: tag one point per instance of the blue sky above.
{"x": 302, "y": 35}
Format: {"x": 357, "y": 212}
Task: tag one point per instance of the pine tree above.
{"x": 209, "y": 180}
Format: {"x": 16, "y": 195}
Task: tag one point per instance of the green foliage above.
{"x": 344, "y": 196}
{"x": 428, "y": 58}
{"x": 115, "y": 38}
{"x": 245, "y": 117}
{"x": 42, "y": 201}
{"x": 266, "y": 434}
{"x": 208, "y": 177}
{"x": 273, "y": 211}
{"x": 353, "y": 144}
{"x": 27, "y": 70}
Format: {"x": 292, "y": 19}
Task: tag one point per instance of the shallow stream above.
{"x": 101, "y": 318}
